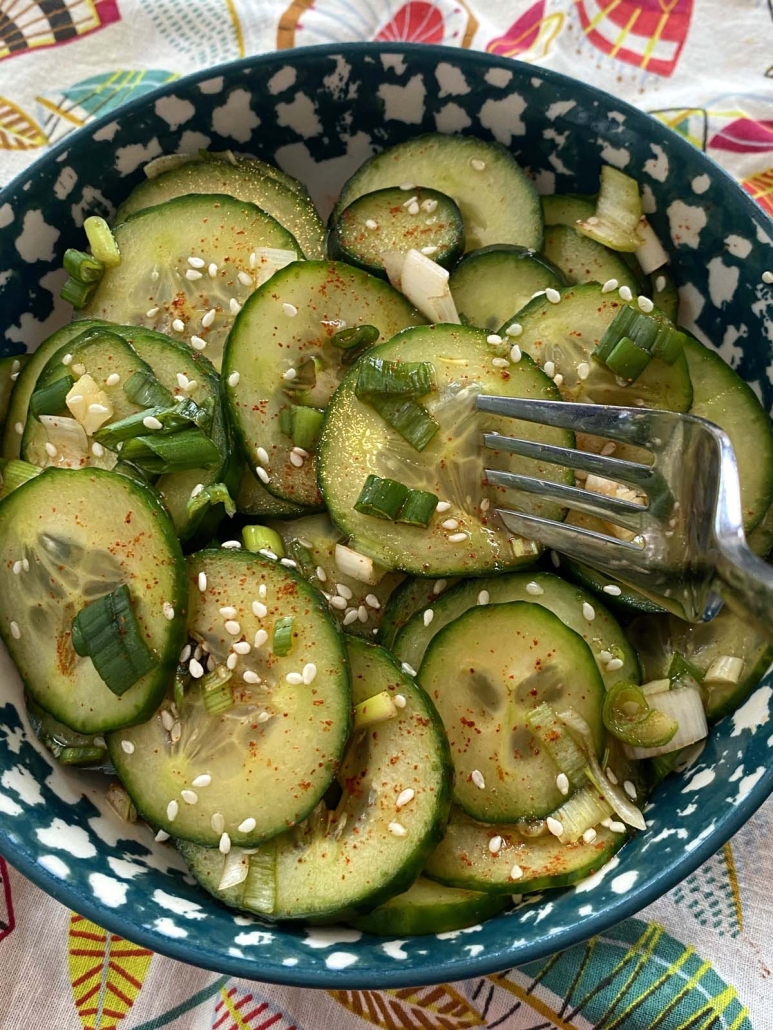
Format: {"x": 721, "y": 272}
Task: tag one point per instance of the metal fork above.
{"x": 686, "y": 547}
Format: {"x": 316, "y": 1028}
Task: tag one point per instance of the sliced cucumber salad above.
{"x": 251, "y": 565}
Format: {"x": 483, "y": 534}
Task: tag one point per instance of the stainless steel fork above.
{"x": 685, "y": 543}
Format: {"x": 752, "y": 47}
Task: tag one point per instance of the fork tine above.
{"x": 574, "y": 541}
{"x": 615, "y": 509}
{"x": 629, "y": 425}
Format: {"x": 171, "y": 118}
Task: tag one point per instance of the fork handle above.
{"x": 746, "y": 581}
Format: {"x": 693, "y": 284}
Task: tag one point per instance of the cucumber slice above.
{"x": 483, "y": 694}
{"x": 245, "y": 180}
{"x": 582, "y": 260}
{"x": 65, "y": 744}
{"x": 10, "y": 370}
{"x": 721, "y": 396}
{"x": 288, "y": 322}
{"x": 393, "y": 219}
{"x": 268, "y": 772}
{"x": 428, "y": 907}
{"x": 567, "y": 333}
{"x": 601, "y": 633}
{"x": 155, "y": 245}
{"x": 498, "y": 201}
{"x": 357, "y": 606}
{"x": 568, "y": 208}
{"x": 356, "y": 442}
{"x": 491, "y": 283}
{"x": 413, "y": 595}
{"x": 84, "y": 533}
{"x": 346, "y": 860}
{"x": 658, "y": 637}
{"x": 25, "y": 384}
{"x": 664, "y": 293}
{"x": 463, "y": 859}
{"x": 252, "y": 498}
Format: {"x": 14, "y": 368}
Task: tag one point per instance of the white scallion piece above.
{"x": 685, "y": 706}
{"x": 357, "y": 566}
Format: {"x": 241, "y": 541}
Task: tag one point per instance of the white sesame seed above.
{"x": 397, "y": 829}
{"x": 583, "y": 370}
{"x": 17, "y": 567}
{"x": 249, "y": 676}
{"x": 289, "y": 375}
{"x": 208, "y": 318}
{"x": 404, "y": 797}
{"x": 231, "y": 660}
{"x": 615, "y": 826}
{"x": 485, "y": 504}
{"x": 261, "y": 473}
{"x": 150, "y": 313}
{"x": 606, "y": 656}
{"x": 245, "y": 278}
{"x": 234, "y": 306}
{"x": 611, "y": 777}
{"x": 171, "y": 810}
{"x": 217, "y": 822}
{"x": 196, "y": 262}
{"x": 645, "y": 304}
{"x": 262, "y": 454}
{"x": 51, "y": 450}
{"x": 178, "y": 325}
{"x": 429, "y": 205}
{"x": 630, "y": 789}
{"x": 660, "y": 284}
{"x": 362, "y": 613}
{"x": 413, "y": 208}
{"x": 161, "y": 836}
{"x": 625, "y": 293}
{"x": 350, "y": 617}
{"x": 610, "y": 285}
{"x": 168, "y": 610}
{"x": 589, "y": 836}
{"x": 190, "y": 797}
{"x": 408, "y": 669}
{"x": 232, "y": 627}
{"x": 450, "y": 524}
{"x": 68, "y": 357}
{"x": 247, "y": 826}
{"x": 202, "y": 781}
{"x": 127, "y": 746}
{"x": 296, "y": 460}
{"x": 614, "y": 665}
{"x": 516, "y": 873}
{"x": 553, "y": 295}
{"x": 483, "y": 597}
{"x": 15, "y": 631}
{"x": 371, "y": 223}
{"x": 242, "y": 647}
{"x": 262, "y": 717}
{"x": 429, "y": 615}
{"x": 294, "y": 679}
{"x": 259, "y": 609}
{"x": 372, "y": 601}
{"x": 192, "y": 275}
{"x": 262, "y": 591}
{"x": 290, "y": 310}
{"x": 514, "y": 329}
{"x": 167, "y": 719}
{"x": 309, "y": 673}
{"x": 457, "y": 538}
{"x": 185, "y": 654}
{"x": 554, "y": 826}
{"x": 477, "y": 164}
{"x": 202, "y": 581}
{"x": 260, "y": 638}
{"x": 196, "y": 669}
{"x": 495, "y": 844}
{"x": 338, "y": 602}
{"x": 588, "y": 611}
{"x": 409, "y": 201}
{"x": 197, "y": 343}
{"x": 233, "y": 379}
{"x": 555, "y": 560}
{"x": 534, "y": 589}
{"x": 212, "y": 269}
{"x": 227, "y": 612}
{"x": 429, "y": 251}
{"x": 98, "y": 409}
{"x": 558, "y": 379}
{"x": 767, "y": 277}
{"x": 442, "y": 507}
{"x": 399, "y": 701}
{"x": 18, "y": 426}
{"x": 182, "y": 380}
{"x": 439, "y": 586}
{"x": 225, "y": 844}
{"x": 612, "y": 589}
{"x": 151, "y": 422}
{"x": 562, "y": 782}
{"x": 477, "y": 778}
{"x": 515, "y": 353}
{"x": 493, "y": 338}
{"x": 113, "y": 379}
{"x": 500, "y": 363}
{"x": 549, "y": 368}
{"x": 407, "y": 186}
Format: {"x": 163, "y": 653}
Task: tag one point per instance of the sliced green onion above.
{"x": 378, "y": 377}
{"x": 559, "y": 743}
{"x": 121, "y": 803}
{"x": 51, "y": 399}
{"x": 177, "y": 452}
{"x": 259, "y": 893}
{"x": 615, "y": 222}
{"x": 669, "y": 343}
{"x": 178, "y": 691}
{"x": 302, "y": 557}
{"x": 374, "y": 710}
{"x": 585, "y": 809}
{"x": 82, "y": 266}
{"x": 15, "y": 473}
{"x": 107, "y": 632}
{"x": 77, "y": 293}
{"x": 306, "y": 426}
{"x": 407, "y": 417}
{"x": 381, "y": 498}
{"x": 143, "y": 389}
{"x": 627, "y": 360}
{"x": 215, "y": 493}
{"x": 684, "y": 707}
{"x": 724, "y": 671}
{"x": 263, "y": 538}
{"x": 72, "y": 755}
{"x": 235, "y": 869}
{"x": 283, "y": 636}
{"x": 355, "y": 336}
{"x": 630, "y": 717}
{"x": 216, "y": 691}
{"x": 172, "y": 420}
{"x": 102, "y": 242}
{"x": 682, "y": 671}
{"x": 418, "y": 508}
{"x": 652, "y": 333}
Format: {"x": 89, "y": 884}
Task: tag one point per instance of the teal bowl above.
{"x": 318, "y": 113}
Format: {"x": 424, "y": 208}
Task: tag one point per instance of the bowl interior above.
{"x": 319, "y": 113}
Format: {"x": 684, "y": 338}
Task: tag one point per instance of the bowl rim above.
{"x": 504, "y": 955}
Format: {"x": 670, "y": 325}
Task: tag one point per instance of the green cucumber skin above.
{"x": 628, "y": 601}
{"x": 415, "y": 912}
{"x": 252, "y": 498}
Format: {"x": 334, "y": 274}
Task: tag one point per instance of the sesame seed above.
{"x": 262, "y": 454}
{"x": 516, "y": 873}
{"x": 79, "y": 370}
{"x": 409, "y": 201}
{"x": 19, "y": 428}
{"x": 234, "y": 306}
{"x": 645, "y": 304}
{"x": 399, "y": 701}
{"x": 290, "y": 310}
{"x": 98, "y": 409}
{"x": 549, "y": 368}
{"x": 562, "y": 782}
{"x": 614, "y": 665}
{"x": 408, "y": 669}
{"x": 344, "y": 591}
{"x": 245, "y": 278}
{"x": 296, "y": 460}
{"x": 242, "y": 647}
{"x": 767, "y": 277}
{"x": 589, "y": 836}
{"x": 288, "y": 562}
{"x": 609, "y": 448}
{"x": 555, "y": 560}
{"x": 15, "y": 631}
{"x": 51, "y": 451}
{"x": 309, "y": 673}
{"x": 261, "y": 473}
{"x": 196, "y": 262}
{"x": 429, "y": 205}
{"x": 625, "y": 293}
{"x": 362, "y": 613}
{"x": 197, "y": 343}
{"x": 413, "y": 208}
{"x": 583, "y": 370}
{"x": 127, "y": 746}
{"x": 161, "y": 836}
{"x": 233, "y": 379}
{"x": 397, "y": 830}
{"x": 260, "y": 638}
{"x": 457, "y": 538}
{"x": 178, "y": 325}
{"x": 171, "y": 810}
{"x": 483, "y": 597}
{"x": 150, "y": 313}
{"x": 372, "y": 601}
{"x": 493, "y": 338}
{"x": 196, "y": 668}
{"x": 485, "y": 504}
{"x": 660, "y": 284}
{"x": 217, "y": 822}
{"x": 247, "y": 826}
{"x": 615, "y": 826}
{"x": 259, "y": 609}
{"x": 442, "y": 507}
{"x": 232, "y": 626}
{"x": 610, "y": 285}
{"x": 192, "y": 275}
{"x": 534, "y": 589}
{"x": 450, "y": 524}
{"x": 190, "y": 797}
{"x": 227, "y": 612}
{"x": 495, "y": 844}
{"x": 500, "y": 362}
{"x": 588, "y": 611}
{"x": 151, "y": 422}
{"x": 262, "y": 591}
{"x": 515, "y": 353}
{"x": 290, "y": 374}
{"x": 168, "y": 610}
{"x": 558, "y": 379}
{"x": 212, "y": 269}
{"x": 612, "y": 589}
{"x": 208, "y": 318}
{"x": 262, "y": 717}
{"x": 404, "y": 797}
{"x": 182, "y": 380}
{"x": 371, "y": 223}
{"x": 225, "y": 844}
{"x": 429, "y": 615}
{"x": 68, "y": 357}
{"x": 606, "y": 656}
{"x": 630, "y": 789}
{"x": 429, "y": 251}
{"x": 202, "y": 581}
{"x": 611, "y": 777}
{"x": 554, "y": 826}
{"x": 167, "y": 719}
{"x": 407, "y": 186}
{"x": 113, "y": 379}
{"x": 553, "y": 295}
{"x": 439, "y": 586}
{"x": 477, "y": 778}
{"x": 17, "y": 567}
{"x": 294, "y": 679}
{"x": 514, "y": 329}
{"x": 477, "y": 164}
{"x": 202, "y": 781}
{"x": 350, "y": 617}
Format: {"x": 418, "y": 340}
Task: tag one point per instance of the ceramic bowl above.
{"x": 318, "y": 113}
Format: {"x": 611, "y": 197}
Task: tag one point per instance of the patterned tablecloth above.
{"x": 699, "y": 959}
